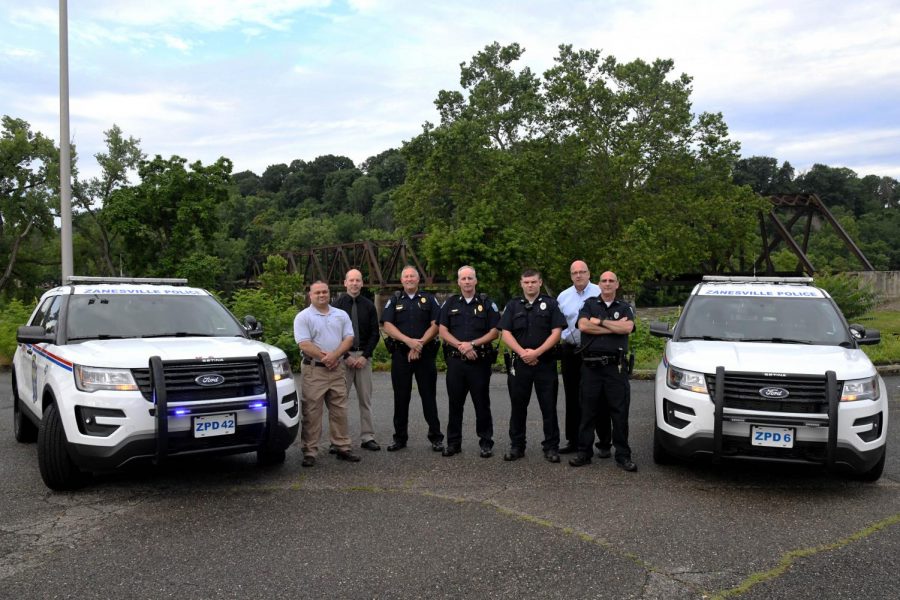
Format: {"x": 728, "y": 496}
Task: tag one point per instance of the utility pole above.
{"x": 65, "y": 152}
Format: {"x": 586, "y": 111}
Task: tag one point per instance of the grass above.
{"x": 888, "y": 323}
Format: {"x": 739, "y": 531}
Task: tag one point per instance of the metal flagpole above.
{"x": 65, "y": 153}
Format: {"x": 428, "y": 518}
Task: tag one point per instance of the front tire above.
{"x": 661, "y": 456}
{"x": 873, "y": 474}
{"x": 24, "y": 430}
{"x": 57, "y": 468}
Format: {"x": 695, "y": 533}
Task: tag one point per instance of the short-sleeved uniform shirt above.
{"x": 532, "y": 323}
{"x": 611, "y": 342}
{"x": 326, "y": 331}
{"x": 468, "y": 321}
{"x": 411, "y": 315}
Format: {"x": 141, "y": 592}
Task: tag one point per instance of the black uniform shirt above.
{"x": 531, "y": 324}
{"x": 610, "y": 342}
{"x": 412, "y": 316}
{"x": 469, "y": 321}
{"x": 368, "y": 321}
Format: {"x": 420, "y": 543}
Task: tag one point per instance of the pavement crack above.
{"x": 789, "y": 558}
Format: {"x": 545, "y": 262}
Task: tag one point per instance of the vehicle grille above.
{"x": 242, "y": 377}
{"x": 807, "y": 392}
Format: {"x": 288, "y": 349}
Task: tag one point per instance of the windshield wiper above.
{"x": 101, "y": 336}
{"x": 179, "y": 334}
{"x": 779, "y": 340}
{"x": 705, "y": 338}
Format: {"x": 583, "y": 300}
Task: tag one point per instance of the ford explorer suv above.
{"x": 768, "y": 369}
{"x": 108, "y": 372}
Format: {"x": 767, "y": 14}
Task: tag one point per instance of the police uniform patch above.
{"x": 494, "y": 306}
{"x": 388, "y": 304}
{"x": 543, "y": 306}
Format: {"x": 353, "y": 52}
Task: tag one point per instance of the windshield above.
{"x": 778, "y": 320}
{"x": 99, "y": 316}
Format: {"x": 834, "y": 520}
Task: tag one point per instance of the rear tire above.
{"x": 24, "y": 430}
{"x": 661, "y": 456}
{"x": 57, "y": 468}
{"x": 873, "y": 474}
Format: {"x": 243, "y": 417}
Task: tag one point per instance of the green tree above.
{"x": 170, "y": 217}
{"x": 29, "y": 178}
{"x": 122, "y": 155}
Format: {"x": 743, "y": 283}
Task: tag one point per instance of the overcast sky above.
{"x": 269, "y": 81}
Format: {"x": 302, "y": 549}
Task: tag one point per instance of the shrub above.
{"x": 12, "y": 315}
{"x": 853, "y": 296}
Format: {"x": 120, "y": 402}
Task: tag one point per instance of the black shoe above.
{"x": 346, "y": 455}
{"x": 437, "y": 446}
{"x": 486, "y": 453}
{"x": 450, "y": 451}
{"x": 332, "y": 449}
{"x": 627, "y": 465}
{"x": 603, "y": 452}
{"x": 371, "y": 445}
{"x": 396, "y": 446}
{"x": 568, "y": 449}
{"x": 514, "y": 454}
{"x": 308, "y": 461}
{"x": 552, "y": 455}
{"x": 580, "y": 460}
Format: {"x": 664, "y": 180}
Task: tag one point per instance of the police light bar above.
{"x": 72, "y": 279}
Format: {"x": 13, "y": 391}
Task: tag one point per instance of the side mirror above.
{"x": 34, "y": 334}
{"x": 863, "y": 337}
{"x": 253, "y": 327}
{"x": 660, "y": 329}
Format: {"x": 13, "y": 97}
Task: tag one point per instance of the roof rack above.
{"x": 72, "y": 279}
{"x": 754, "y": 279}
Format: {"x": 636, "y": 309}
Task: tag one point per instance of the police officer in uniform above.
{"x": 410, "y": 319}
{"x": 605, "y": 323}
{"x": 531, "y": 326}
{"x": 468, "y": 324}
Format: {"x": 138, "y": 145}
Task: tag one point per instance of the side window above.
{"x": 41, "y": 314}
{"x": 48, "y": 314}
{"x": 52, "y": 319}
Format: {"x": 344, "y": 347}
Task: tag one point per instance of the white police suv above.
{"x": 767, "y": 368}
{"x": 112, "y": 371}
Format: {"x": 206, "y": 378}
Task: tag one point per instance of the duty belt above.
{"x": 315, "y": 363}
{"x": 595, "y": 359}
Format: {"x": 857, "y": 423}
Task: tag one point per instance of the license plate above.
{"x": 210, "y": 425}
{"x": 774, "y": 437}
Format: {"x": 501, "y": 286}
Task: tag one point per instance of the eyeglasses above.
{"x": 607, "y": 281}
{"x": 579, "y": 272}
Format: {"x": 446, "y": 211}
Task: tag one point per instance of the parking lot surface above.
{"x": 413, "y": 524}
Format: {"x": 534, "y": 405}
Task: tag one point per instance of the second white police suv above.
{"x": 768, "y": 369}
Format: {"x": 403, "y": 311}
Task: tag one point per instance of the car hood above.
{"x": 753, "y": 357}
{"x": 136, "y": 353}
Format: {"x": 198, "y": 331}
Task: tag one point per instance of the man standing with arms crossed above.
{"x": 570, "y": 302}
{"x": 531, "y": 327}
{"x": 605, "y": 323}
{"x": 410, "y": 319}
{"x": 324, "y": 335}
{"x": 358, "y": 373}
{"x": 467, "y": 325}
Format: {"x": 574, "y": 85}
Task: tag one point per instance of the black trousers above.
{"x": 402, "y": 372}
{"x": 604, "y": 387}
{"x": 543, "y": 379}
{"x": 570, "y": 367}
{"x": 466, "y": 377}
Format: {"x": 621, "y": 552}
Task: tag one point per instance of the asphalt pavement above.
{"x": 413, "y": 524}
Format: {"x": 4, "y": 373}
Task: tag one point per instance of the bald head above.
{"x": 580, "y": 274}
{"x": 353, "y": 282}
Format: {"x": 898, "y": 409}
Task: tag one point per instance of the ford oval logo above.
{"x": 210, "y": 379}
{"x": 774, "y": 392}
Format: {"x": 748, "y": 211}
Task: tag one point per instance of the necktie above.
{"x": 354, "y": 318}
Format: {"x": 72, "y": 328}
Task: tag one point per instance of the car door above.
{"x": 32, "y": 371}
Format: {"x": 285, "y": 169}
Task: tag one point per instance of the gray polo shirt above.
{"x": 326, "y": 331}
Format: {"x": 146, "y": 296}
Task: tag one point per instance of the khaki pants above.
{"x": 361, "y": 379}
{"x": 319, "y": 387}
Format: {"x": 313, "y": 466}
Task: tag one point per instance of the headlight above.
{"x": 92, "y": 379}
{"x": 686, "y": 380}
{"x": 281, "y": 368}
{"x": 860, "y": 389}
